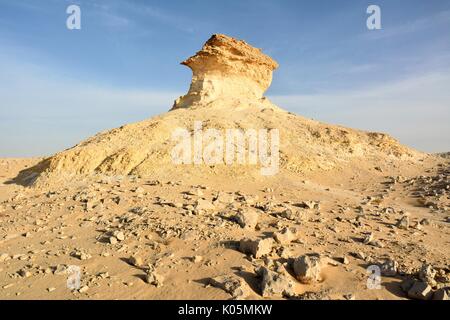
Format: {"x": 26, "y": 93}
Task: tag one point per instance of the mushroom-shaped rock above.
{"x": 225, "y": 68}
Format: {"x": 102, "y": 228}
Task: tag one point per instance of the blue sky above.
{"x": 59, "y": 86}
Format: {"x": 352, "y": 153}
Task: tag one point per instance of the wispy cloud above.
{"x": 42, "y": 114}
{"x": 170, "y": 19}
{"x": 440, "y": 18}
{"x": 113, "y": 20}
{"x": 415, "y": 110}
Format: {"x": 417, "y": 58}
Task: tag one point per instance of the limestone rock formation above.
{"x": 227, "y": 68}
{"x": 228, "y": 83}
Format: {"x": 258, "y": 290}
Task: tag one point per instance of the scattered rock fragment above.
{"x": 197, "y": 259}
{"x": 309, "y": 204}
{"x": 359, "y": 255}
{"x": 223, "y": 197}
{"x": 403, "y": 223}
{"x": 247, "y": 219}
{"x": 441, "y": 294}
{"x": 25, "y": 273}
{"x": 344, "y": 260}
{"x": 135, "y": 261}
{"x": 389, "y": 268}
{"x": 257, "y": 248}
{"x": 60, "y": 269}
{"x": 81, "y": 254}
{"x": 119, "y": 235}
{"x": 289, "y": 214}
{"x": 420, "y": 290}
{"x": 83, "y": 289}
{"x": 407, "y": 284}
{"x": 285, "y": 236}
{"x": 154, "y": 278}
{"x": 368, "y": 238}
{"x": 4, "y": 257}
{"x": 235, "y": 286}
{"x": 307, "y": 268}
{"x": 203, "y": 205}
{"x": 349, "y": 296}
{"x": 275, "y": 283}
{"x": 427, "y": 274}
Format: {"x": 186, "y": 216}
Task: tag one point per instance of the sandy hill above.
{"x": 226, "y": 92}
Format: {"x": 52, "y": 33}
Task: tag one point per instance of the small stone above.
{"x": 407, "y": 284}
{"x": 223, "y": 197}
{"x": 427, "y": 274}
{"x": 257, "y": 248}
{"x": 285, "y": 236}
{"x": 425, "y": 222}
{"x": 440, "y": 294}
{"x": 360, "y": 255}
{"x": 349, "y": 296}
{"x": 60, "y": 269}
{"x": 112, "y": 240}
{"x": 197, "y": 259}
{"x": 376, "y": 243}
{"x": 135, "y": 261}
{"x": 204, "y": 205}
{"x": 403, "y": 223}
{"x": 139, "y": 190}
{"x": 247, "y": 219}
{"x": 420, "y": 290}
{"x": 275, "y": 284}
{"x": 287, "y": 214}
{"x": 25, "y": 273}
{"x": 4, "y": 257}
{"x": 309, "y": 204}
{"x": 120, "y": 236}
{"x": 153, "y": 278}
{"x": 83, "y": 289}
{"x": 307, "y": 268}
{"x": 235, "y": 286}
{"x": 368, "y": 238}
{"x": 389, "y": 268}
{"x": 51, "y": 289}
{"x": 81, "y": 255}
{"x": 345, "y": 260}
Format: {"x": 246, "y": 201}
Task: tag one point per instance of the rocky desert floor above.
{"x": 280, "y": 237}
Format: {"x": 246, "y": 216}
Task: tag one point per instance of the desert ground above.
{"x": 345, "y": 202}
